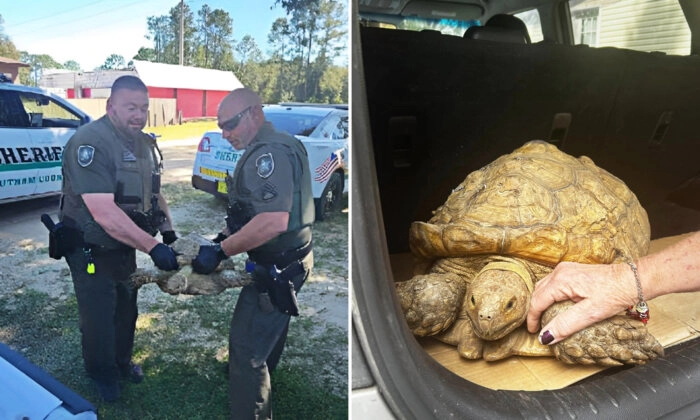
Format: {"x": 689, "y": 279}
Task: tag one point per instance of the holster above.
{"x": 278, "y": 283}
{"x": 62, "y": 239}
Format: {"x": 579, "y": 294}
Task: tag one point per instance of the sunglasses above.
{"x": 232, "y": 123}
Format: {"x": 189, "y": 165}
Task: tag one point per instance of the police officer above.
{"x": 270, "y": 216}
{"x": 111, "y": 173}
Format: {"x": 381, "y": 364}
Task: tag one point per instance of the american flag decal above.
{"x": 326, "y": 169}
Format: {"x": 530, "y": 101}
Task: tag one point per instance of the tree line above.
{"x": 306, "y": 61}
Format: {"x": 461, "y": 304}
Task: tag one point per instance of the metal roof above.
{"x": 184, "y": 77}
{"x": 6, "y": 60}
{"x": 152, "y": 74}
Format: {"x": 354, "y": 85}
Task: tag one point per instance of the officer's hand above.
{"x": 169, "y": 237}
{"x": 164, "y": 257}
{"x": 208, "y": 259}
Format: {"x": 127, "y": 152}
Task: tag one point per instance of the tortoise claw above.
{"x": 612, "y": 342}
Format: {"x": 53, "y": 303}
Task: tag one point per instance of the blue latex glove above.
{"x": 208, "y": 259}
{"x": 164, "y": 257}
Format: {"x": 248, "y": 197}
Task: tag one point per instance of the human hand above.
{"x": 208, "y": 259}
{"x": 599, "y": 291}
{"x": 164, "y": 257}
{"x": 169, "y": 236}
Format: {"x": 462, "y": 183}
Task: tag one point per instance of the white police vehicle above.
{"x": 322, "y": 128}
{"x": 34, "y": 128}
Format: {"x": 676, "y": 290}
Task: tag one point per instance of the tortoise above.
{"x": 184, "y": 280}
{"x": 501, "y": 230}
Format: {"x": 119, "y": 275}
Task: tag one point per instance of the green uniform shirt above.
{"x": 273, "y": 176}
{"x": 99, "y": 160}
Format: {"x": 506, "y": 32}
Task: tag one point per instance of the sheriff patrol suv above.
{"x": 34, "y": 128}
{"x": 324, "y": 130}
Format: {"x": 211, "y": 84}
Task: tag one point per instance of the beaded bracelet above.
{"x": 640, "y": 311}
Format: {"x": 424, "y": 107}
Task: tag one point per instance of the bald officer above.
{"x": 271, "y": 212}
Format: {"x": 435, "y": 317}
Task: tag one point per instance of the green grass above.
{"x": 183, "y": 131}
{"x": 182, "y": 345}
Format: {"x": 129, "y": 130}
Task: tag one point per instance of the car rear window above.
{"x": 296, "y": 124}
{"x": 412, "y": 23}
{"x": 531, "y": 18}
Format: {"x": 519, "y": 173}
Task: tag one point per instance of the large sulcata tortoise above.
{"x": 504, "y": 228}
{"x": 184, "y": 280}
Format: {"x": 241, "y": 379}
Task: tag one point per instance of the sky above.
{"x": 89, "y": 31}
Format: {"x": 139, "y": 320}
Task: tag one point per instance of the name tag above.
{"x": 127, "y": 156}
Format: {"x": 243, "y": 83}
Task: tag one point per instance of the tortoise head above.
{"x": 498, "y": 299}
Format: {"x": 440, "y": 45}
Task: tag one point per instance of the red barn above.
{"x": 197, "y": 91}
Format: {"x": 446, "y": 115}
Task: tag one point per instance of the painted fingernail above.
{"x": 546, "y": 337}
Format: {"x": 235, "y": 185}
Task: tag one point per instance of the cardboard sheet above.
{"x": 674, "y": 319}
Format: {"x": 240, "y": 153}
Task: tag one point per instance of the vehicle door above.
{"x": 215, "y": 158}
{"x": 327, "y": 147}
{"x": 51, "y": 126}
{"x": 18, "y": 171}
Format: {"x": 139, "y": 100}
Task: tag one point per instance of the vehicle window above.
{"x": 43, "y": 111}
{"x": 532, "y": 21}
{"x": 294, "y": 124}
{"x": 333, "y": 127}
{"x": 342, "y": 128}
{"x": 444, "y": 26}
{"x": 642, "y": 25}
{"x": 12, "y": 113}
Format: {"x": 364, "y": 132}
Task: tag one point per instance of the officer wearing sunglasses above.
{"x": 271, "y": 211}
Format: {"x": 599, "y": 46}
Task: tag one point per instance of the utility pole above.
{"x": 182, "y": 32}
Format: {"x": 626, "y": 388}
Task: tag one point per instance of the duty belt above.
{"x": 282, "y": 259}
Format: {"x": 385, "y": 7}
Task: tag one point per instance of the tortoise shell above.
{"x": 540, "y": 204}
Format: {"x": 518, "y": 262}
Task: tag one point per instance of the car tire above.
{"x": 331, "y": 198}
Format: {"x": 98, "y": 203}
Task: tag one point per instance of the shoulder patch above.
{"x": 85, "y": 155}
{"x": 268, "y": 192}
{"x": 265, "y": 165}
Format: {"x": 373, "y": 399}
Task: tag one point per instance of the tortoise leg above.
{"x": 461, "y": 334}
{"x": 518, "y": 343}
{"x": 612, "y": 342}
{"x": 431, "y": 302}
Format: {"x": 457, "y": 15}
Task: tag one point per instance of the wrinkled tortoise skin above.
{"x": 184, "y": 280}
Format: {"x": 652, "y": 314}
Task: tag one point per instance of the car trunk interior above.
{"x": 463, "y": 103}
{"x": 442, "y": 106}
